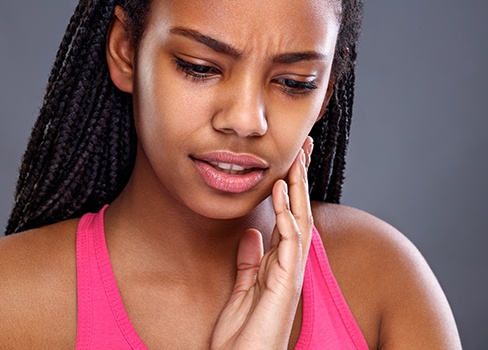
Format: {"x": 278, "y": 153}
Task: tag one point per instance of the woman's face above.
{"x": 225, "y": 94}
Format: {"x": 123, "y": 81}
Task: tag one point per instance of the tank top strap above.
{"x": 103, "y": 322}
{"x": 327, "y": 321}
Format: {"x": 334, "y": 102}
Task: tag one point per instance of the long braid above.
{"x": 331, "y": 133}
{"x": 325, "y": 138}
{"x": 337, "y": 177}
{"x": 82, "y": 147}
{"x": 42, "y": 122}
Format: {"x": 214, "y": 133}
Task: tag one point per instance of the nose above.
{"x": 242, "y": 111}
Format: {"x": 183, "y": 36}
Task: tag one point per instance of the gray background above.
{"x": 419, "y": 137}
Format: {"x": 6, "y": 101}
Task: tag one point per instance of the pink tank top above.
{"x": 103, "y": 322}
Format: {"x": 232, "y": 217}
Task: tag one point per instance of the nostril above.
{"x": 242, "y": 112}
{"x": 241, "y": 125}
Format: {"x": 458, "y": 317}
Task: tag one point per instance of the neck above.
{"x": 150, "y": 226}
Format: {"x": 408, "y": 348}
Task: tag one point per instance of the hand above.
{"x": 262, "y": 306}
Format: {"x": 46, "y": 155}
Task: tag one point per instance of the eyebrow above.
{"x": 292, "y": 57}
{"x": 220, "y": 46}
{"x": 206, "y": 40}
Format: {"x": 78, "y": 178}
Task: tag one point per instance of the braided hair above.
{"x": 82, "y": 148}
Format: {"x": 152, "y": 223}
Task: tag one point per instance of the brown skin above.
{"x": 168, "y": 225}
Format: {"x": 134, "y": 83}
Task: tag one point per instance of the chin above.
{"x": 226, "y": 207}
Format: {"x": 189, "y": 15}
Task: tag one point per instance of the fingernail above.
{"x": 302, "y": 156}
{"x": 310, "y": 148}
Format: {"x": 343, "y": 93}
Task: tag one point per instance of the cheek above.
{"x": 288, "y": 135}
{"x": 294, "y": 120}
{"x": 166, "y": 109}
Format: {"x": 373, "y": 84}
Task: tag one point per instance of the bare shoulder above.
{"x": 359, "y": 237}
{"x": 387, "y": 283}
{"x": 38, "y": 287}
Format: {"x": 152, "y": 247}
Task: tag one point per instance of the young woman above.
{"x": 190, "y": 118}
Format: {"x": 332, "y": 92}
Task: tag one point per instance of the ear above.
{"x": 120, "y": 52}
{"x": 328, "y": 95}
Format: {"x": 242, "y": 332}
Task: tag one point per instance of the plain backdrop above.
{"x": 417, "y": 157}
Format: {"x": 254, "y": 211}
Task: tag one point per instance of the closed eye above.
{"x": 196, "y": 72}
{"x": 294, "y": 87}
{"x": 200, "y": 73}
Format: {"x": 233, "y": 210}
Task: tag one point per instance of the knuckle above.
{"x": 284, "y": 210}
{"x": 306, "y": 218}
{"x": 287, "y": 207}
{"x": 293, "y": 181}
{"x": 298, "y": 216}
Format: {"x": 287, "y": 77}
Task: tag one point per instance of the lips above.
{"x": 229, "y": 172}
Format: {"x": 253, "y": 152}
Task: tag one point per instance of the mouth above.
{"x": 228, "y": 172}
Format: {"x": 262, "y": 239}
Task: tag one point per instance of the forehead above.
{"x": 297, "y": 24}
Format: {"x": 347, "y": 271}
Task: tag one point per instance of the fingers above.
{"x": 298, "y": 193}
{"x": 280, "y": 205}
{"x": 291, "y": 202}
{"x": 287, "y": 235}
{"x": 249, "y": 258}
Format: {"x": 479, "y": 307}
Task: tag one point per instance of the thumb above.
{"x": 248, "y": 260}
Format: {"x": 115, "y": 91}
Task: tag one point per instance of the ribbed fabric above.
{"x": 327, "y": 321}
{"x": 103, "y": 322}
